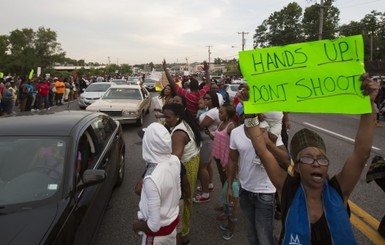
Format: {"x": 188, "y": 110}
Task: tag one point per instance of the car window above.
{"x": 31, "y": 168}
{"x": 123, "y": 93}
{"x": 103, "y": 130}
{"x": 100, "y": 87}
{"x": 92, "y": 142}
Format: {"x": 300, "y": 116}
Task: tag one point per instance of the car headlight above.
{"x": 129, "y": 113}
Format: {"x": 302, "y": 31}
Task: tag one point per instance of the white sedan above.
{"x": 125, "y": 103}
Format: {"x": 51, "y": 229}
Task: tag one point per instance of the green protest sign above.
{"x": 314, "y": 77}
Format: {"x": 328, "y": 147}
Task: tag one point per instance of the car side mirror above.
{"x": 92, "y": 177}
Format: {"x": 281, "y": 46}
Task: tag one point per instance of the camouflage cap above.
{"x": 303, "y": 139}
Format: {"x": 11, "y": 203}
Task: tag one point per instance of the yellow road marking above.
{"x": 364, "y": 215}
{"x": 365, "y": 223}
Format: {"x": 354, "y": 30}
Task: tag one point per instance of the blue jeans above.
{"x": 258, "y": 209}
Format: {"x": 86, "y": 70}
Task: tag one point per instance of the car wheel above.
{"x": 140, "y": 120}
{"x": 122, "y": 164}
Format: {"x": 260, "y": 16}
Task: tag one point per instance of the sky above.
{"x": 143, "y": 31}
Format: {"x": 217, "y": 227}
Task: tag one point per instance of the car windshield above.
{"x": 31, "y": 169}
{"x": 133, "y": 80}
{"x": 100, "y": 87}
{"x": 119, "y": 82}
{"x": 151, "y": 82}
{"x": 123, "y": 93}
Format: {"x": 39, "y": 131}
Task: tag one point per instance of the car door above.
{"x": 94, "y": 199}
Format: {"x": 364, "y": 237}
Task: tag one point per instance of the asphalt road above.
{"x": 338, "y": 132}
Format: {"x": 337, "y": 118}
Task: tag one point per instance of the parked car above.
{"x": 232, "y": 90}
{"x": 125, "y": 103}
{"x": 57, "y": 174}
{"x": 134, "y": 80}
{"x": 92, "y": 93}
{"x": 149, "y": 84}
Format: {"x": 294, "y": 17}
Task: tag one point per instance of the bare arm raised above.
{"x": 168, "y": 75}
{"x": 352, "y": 169}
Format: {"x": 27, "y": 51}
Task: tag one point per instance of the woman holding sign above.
{"x": 314, "y": 207}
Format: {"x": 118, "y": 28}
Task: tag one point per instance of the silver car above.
{"x": 92, "y": 93}
{"x": 124, "y": 103}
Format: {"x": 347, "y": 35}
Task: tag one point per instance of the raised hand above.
{"x": 369, "y": 87}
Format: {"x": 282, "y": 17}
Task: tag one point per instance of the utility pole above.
{"x": 209, "y": 52}
{"x": 321, "y": 20}
{"x": 187, "y": 64}
{"x": 243, "y": 39}
{"x": 371, "y": 46}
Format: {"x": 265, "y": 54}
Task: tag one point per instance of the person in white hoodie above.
{"x": 159, "y": 199}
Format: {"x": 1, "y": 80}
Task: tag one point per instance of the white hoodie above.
{"x": 161, "y": 187}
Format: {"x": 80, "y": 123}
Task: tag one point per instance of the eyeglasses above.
{"x": 311, "y": 161}
{"x": 206, "y": 98}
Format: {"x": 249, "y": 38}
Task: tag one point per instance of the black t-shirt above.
{"x": 320, "y": 233}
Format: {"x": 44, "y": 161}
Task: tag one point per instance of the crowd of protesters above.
{"x": 200, "y": 133}
{"x": 255, "y": 168}
{"x": 19, "y": 94}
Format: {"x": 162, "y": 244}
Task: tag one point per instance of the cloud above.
{"x": 149, "y": 30}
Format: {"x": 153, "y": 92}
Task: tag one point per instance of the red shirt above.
{"x": 42, "y": 89}
{"x": 192, "y": 98}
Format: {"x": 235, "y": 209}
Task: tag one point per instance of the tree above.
{"x": 3, "y": 52}
{"x": 28, "y": 49}
{"x": 311, "y": 20}
{"x": 374, "y": 34}
{"x": 48, "y": 50}
{"x": 281, "y": 28}
{"x": 218, "y": 61}
{"x": 372, "y": 28}
{"x": 125, "y": 69}
{"x": 152, "y": 66}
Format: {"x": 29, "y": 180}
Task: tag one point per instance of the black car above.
{"x": 57, "y": 173}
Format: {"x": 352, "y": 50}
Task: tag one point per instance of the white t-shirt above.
{"x": 252, "y": 174}
{"x": 213, "y": 113}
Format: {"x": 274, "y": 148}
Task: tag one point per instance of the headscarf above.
{"x": 156, "y": 146}
{"x": 303, "y": 139}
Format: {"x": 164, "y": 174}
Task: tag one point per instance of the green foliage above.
{"x": 25, "y": 49}
{"x": 372, "y": 27}
{"x": 289, "y": 26}
{"x": 218, "y": 61}
{"x": 282, "y": 27}
{"x": 311, "y": 21}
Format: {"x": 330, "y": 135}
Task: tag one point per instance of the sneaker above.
{"x": 200, "y": 199}
{"x": 377, "y": 124}
{"x": 224, "y": 227}
{"x": 211, "y": 189}
{"x": 228, "y": 235}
